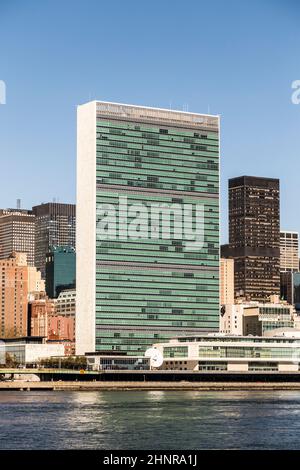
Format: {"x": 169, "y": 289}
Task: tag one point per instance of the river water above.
{"x": 150, "y": 420}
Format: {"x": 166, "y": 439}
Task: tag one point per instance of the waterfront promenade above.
{"x": 22, "y": 385}
{"x": 67, "y": 379}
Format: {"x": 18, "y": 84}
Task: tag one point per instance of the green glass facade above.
{"x": 249, "y": 352}
{"x": 148, "y": 290}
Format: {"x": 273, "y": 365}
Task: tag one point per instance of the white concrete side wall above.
{"x": 288, "y": 367}
{"x": 239, "y": 367}
{"x": 232, "y": 321}
{"x": 86, "y": 228}
{"x": 34, "y": 352}
{"x": 193, "y": 350}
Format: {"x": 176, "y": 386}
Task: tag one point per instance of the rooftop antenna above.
{"x": 18, "y": 203}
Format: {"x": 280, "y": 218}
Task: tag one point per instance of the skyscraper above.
{"x": 254, "y": 236}
{"x": 17, "y": 233}
{"x": 60, "y": 270}
{"x": 289, "y": 256}
{"x": 55, "y": 225}
{"x": 16, "y": 279}
{"x": 289, "y": 267}
{"x": 134, "y": 290}
{"x": 226, "y": 281}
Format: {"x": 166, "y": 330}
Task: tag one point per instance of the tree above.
{"x": 11, "y": 360}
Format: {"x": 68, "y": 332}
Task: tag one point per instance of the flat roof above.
{"x": 236, "y": 337}
{"x": 22, "y": 339}
{"x": 249, "y": 180}
{"x": 148, "y": 107}
{"x": 114, "y": 356}
{"x": 158, "y": 116}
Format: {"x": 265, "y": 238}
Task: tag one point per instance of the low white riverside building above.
{"x": 100, "y": 361}
{"x": 27, "y": 350}
{"x": 222, "y": 352}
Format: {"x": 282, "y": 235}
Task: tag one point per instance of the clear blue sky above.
{"x": 235, "y": 58}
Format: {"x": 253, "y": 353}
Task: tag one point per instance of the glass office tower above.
{"x": 136, "y": 290}
{"x": 55, "y": 225}
{"x": 60, "y": 270}
{"x": 254, "y": 236}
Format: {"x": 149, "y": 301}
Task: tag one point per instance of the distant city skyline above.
{"x": 240, "y": 65}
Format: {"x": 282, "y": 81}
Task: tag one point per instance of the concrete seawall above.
{"x": 170, "y": 386}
